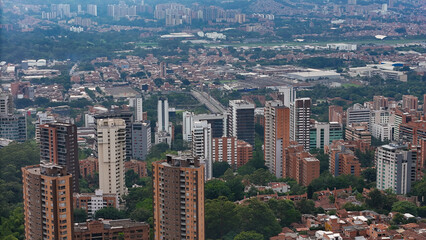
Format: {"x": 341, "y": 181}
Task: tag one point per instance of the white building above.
{"x": 111, "y": 140}
{"x": 300, "y": 115}
{"x": 163, "y": 116}
{"x": 383, "y": 132}
{"x": 92, "y": 9}
{"x": 95, "y": 201}
{"x": 187, "y": 122}
{"x": 288, "y": 94}
{"x": 357, "y": 114}
{"x": 202, "y": 145}
{"x": 137, "y": 104}
{"x": 342, "y": 46}
{"x": 395, "y": 167}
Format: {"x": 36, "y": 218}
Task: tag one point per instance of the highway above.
{"x": 212, "y": 104}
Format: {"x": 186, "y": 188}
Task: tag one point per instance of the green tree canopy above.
{"x": 221, "y": 217}
{"x": 251, "y": 235}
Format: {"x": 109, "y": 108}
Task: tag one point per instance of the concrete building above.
{"x": 137, "y": 104}
{"x": 128, "y": 119}
{"x": 88, "y": 167}
{"x": 412, "y": 132}
{"x": 241, "y": 120}
{"x": 42, "y": 118}
{"x": 187, "y": 121}
{"x": 163, "y": 116}
{"x": 229, "y": 149}
{"x": 111, "y": 142}
{"x": 336, "y": 114}
{"x": 92, "y": 202}
{"x": 6, "y": 104}
{"x": 300, "y": 114}
{"x": 202, "y": 145}
{"x": 395, "y": 167}
{"x": 410, "y": 102}
{"x": 111, "y": 229}
{"x": 343, "y": 160}
{"x": 48, "y": 209}
{"x": 217, "y": 122}
{"x": 141, "y": 139}
{"x": 92, "y": 9}
{"x": 13, "y": 127}
{"x": 319, "y": 135}
{"x": 299, "y": 164}
{"x": 287, "y": 94}
{"x": 139, "y": 167}
{"x": 357, "y": 114}
{"x": 358, "y": 131}
{"x": 178, "y": 186}
{"x": 381, "y": 117}
{"x": 383, "y": 132}
{"x": 380, "y": 103}
{"x": 277, "y": 135}
{"x": 58, "y": 144}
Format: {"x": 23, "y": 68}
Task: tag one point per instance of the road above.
{"x": 212, "y": 104}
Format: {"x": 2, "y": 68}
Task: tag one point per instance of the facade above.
{"x": 202, "y": 145}
{"x": 383, "y": 132}
{"x": 141, "y": 139}
{"x": 137, "y": 104}
{"x": 299, "y": 164}
{"x": 380, "y": 102}
{"x": 395, "y": 167}
{"x": 178, "y": 185}
{"x": 6, "y": 104}
{"x": 111, "y": 141}
{"x": 92, "y": 9}
{"x": 336, "y": 114}
{"x": 241, "y": 120}
{"x": 187, "y": 121}
{"x": 228, "y": 149}
{"x": 410, "y": 102}
{"x": 336, "y": 131}
{"x": 48, "y": 209}
{"x": 287, "y": 94}
{"x": 92, "y": 202}
{"x": 139, "y": 167}
{"x": 319, "y": 135}
{"x": 358, "y": 131}
{"x": 13, "y": 127}
{"x": 412, "y": 132}
{"x": 300, "y": 114}
{"x": 42, "y": 118}
{"x": 111, "y": 229}
{"x": 58, "y": 144}
{"x": 343, "y": 160}
{"x": 309, "y": 171}
{"x": 128, "y": 119}
{"x": 163, "y": 116}
{"x": 88, "y": 167}
{"x": 381, "y": 117}
{"x": 357, "y": 114}
{"x": 277, "y": 135}
{"x": 217, "y": 122}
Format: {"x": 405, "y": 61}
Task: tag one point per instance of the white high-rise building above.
{"x": 163, "y": 116}
{"x": 288, "y": 93}
{"x": 137, "y": 105}
{"x": 202, "y": 145}
{"x": 187, "y": 121}
{"x": 357, "y": 114}
{"x": 92, "y": 9}
{"x": 300, "y": 115}
{"x": 395, "y": 167}
{"x": 111, "y": 140}
{"x": 6, "y": 104}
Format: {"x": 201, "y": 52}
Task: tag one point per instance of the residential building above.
{"x": 178, "y": 186}
{"x": 111, "y": 145}
{"x": 141, "y": 139}
{"x": 202, "y": 145}
{"x": 287, "y": 95}
{"x": 42, "y": 118}
{"x": 92, "y": 9}
{"x": 395, "y": 167}
{"x": 48, "y": 209}
{"x": 217, "y": 122}
{"x": 88, "y": 167}
{"x": 357, "y": 114}
{"x": 6, "y": 104}
{"x": 163, "y": 115}
{"x": 187, "y": 121}
{"x": 58, "y": 144}
{"x": 336, "y": 131}
{"x": 13, "y": 127}
{"x": 412, "y": 132}
{"x": 241, "y": 120}
{"x": 310, "y": 170}
{"x": 380, "y": 102}
{"x": 319, "y": 135}
{"x": 128, "y": 119}
{"x": 229, "y": 149}
{"x": 383, "y": 132}
{"x": 300, "y": 114}
{"x": 358, "y": 131}
{"x": 300, "y": 164}
{"x": 343, "y": 160}
{"x": 92, "y": 202}
{"x": 139, "y": 167}
{"x": 336, "y": 114}
{"x": 277, "y": 135}
{"x": 111, "y": 229}
{"x": 410, "y": 102}
{"x": 137, "y": 104}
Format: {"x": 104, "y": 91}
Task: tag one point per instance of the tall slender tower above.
{"x": 111, "y": 140}
{"x": 58, "y": 144}
{"x": 163, "y": 116}
{"x": 300, "y": 114}
{"x": 202, "y": 145}
{"x": 277, "y": 135}
{"x": 178, "y": 185}
{"x": 48, "y": 208}
{"x": 241, "y": 120}
{"x": 187, "y": 121}
{"x": 137, "y": 103}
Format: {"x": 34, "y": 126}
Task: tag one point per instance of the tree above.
{"x": 141, "y": 214}
{"x": 285, "y": 211}
{"x": 258, "y": 217}
{"x": 404, "y": 207}
{"x": 306, "y": 206}
{"x": 369, "y": 175}
{"x": 251, "y": 235}
{"x": 261, "y": 177}
{"x": 109, "y": 213}
{"x": 80, "y": 215}
{"x": 215, "y": 188}
{"x": 131, "y": 178}
{"x": 221, "y": 217}
{"x": 379, "y": 201}
{"x": 219, "y": 168}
